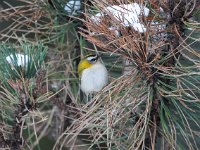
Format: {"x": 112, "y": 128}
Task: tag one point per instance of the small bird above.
{"x": 93, "y": 74}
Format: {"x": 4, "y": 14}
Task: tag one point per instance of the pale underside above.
{"x": 93, "y": 79}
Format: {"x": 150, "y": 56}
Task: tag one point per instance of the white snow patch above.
{"x": 72, "y": 6}
{"x": 97, "y": 17}
{"x": 21, "y": 59}
{"x": 127, "y": 14}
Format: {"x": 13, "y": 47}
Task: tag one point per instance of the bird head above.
{"x": 87, "y": 62}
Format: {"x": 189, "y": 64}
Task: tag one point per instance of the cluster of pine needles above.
{"x": 151, "y": 101}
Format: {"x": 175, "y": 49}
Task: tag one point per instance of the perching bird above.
{"x": 93, "y": 74}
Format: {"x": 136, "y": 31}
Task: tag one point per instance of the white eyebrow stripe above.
{"x": 91, "y": 57}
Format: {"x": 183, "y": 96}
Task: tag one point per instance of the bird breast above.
{"x": 94, "y": 78}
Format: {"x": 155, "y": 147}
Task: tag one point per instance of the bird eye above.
{"x": 93, "y": 60}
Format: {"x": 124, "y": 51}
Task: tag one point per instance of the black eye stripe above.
{"x": 93, "y": 60}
